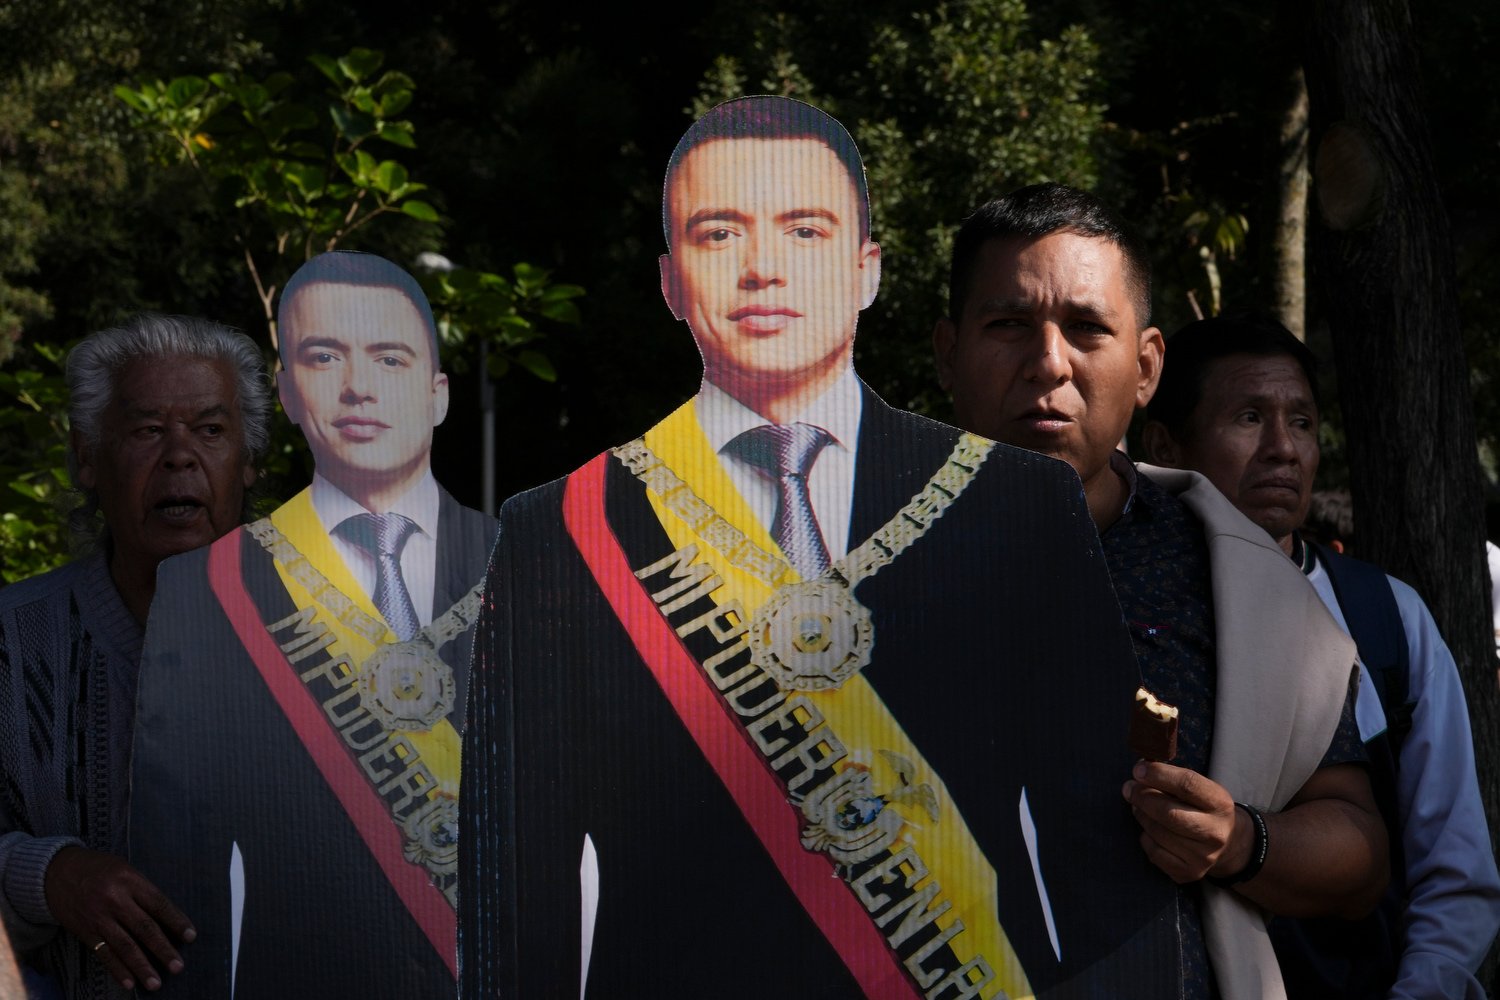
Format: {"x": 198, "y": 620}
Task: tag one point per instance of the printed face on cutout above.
{"x": 768, "y": 266}
{"x": 170, "y": 467}
{"x": 361, "y": 382}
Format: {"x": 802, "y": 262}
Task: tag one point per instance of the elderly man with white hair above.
{"x": 168, "y": 415}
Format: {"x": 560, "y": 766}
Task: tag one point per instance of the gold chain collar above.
{"x": 811, "y": 635}
{"x": 405, "y": 685}
{"x": 438, "y": 634}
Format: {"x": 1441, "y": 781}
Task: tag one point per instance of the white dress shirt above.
{"x": 830, "y": 483}
{"x": 418, "y": 556}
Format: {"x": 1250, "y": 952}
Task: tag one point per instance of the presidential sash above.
{"x": 816, "y": 762}
{"x": 327, "y": 665}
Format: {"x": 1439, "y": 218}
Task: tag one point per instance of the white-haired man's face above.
{"x": 170, "y": 466}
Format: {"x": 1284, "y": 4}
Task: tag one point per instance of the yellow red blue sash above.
{"x": 398, "y": 788}
{"x": 826, "y": 778}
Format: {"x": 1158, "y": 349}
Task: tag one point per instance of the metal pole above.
{"x": 487, "y": 427}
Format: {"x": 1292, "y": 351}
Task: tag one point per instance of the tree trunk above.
{"x": 1289, "y": 241}
{"x": 1384, "y": 270}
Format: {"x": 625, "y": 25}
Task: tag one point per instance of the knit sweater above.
{"x": 69, "y": 654}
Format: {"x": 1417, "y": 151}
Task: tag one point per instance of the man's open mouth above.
{"x": 178, "y": 507}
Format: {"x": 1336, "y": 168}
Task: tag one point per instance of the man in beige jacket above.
{"x": 1267, "y": 807}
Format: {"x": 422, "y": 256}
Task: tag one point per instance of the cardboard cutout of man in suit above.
{"x": 297, "y": 750}
{"x": 798, "y": 694}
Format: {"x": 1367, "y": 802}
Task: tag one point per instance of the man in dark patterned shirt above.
{"x": 1047, "y": 346}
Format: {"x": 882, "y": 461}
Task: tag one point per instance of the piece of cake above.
{"x": 1153, "y": 727}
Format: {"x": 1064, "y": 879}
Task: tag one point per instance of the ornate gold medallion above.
{"x": 406, "y": 686}
{"x": 812, "y": 635}
{"x": 432, "y": 835}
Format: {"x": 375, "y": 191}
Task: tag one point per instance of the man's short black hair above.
{"x": 1038, "y": 210}
{"x": 767, "y": 117}
{"x": 1198, "y": 345}
{"x": 350, "y": 267}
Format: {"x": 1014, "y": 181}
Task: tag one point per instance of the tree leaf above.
{"x": 361, "y": 99}
{"x": 136, "y": 99}
{"x": 306, "y": 178}
{"x": 392, "y": 81}
{"x": 390, "y": 176}
{"x": 254, "y": 97}
{"x": 420, "y": 210}
{"x": 555, "y": 293}
{"x": 397, "y": 133}
{"x": 536, "y": 362}
{"x": 360, "y": 63}
{"x": 394, "y": 103}
{"x": 352, "y": 125}
{"x": 561, "y": 312}
{"x": 328, "y": 66}
{"x": 185, "y": 91}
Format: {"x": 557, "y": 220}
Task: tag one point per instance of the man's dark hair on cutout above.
{"x": 767, "y": 117}
{"x": 1191, "y": 350}
{"x": 1038, "y": 210}
{"x": 350, "y": 267}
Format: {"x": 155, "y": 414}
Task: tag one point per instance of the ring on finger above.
{"x": 98, "y": 946}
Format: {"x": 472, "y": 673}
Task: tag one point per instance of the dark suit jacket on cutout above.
{"x": 217, "y": 763}
{"x": 999, "y": 647}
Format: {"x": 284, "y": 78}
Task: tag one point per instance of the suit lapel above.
{"x": 447, "y": 585}
{"x": 898, "y": 453}
{"x": 463, "y": 551}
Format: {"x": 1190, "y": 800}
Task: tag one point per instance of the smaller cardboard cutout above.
{"x": 296, "y": 763}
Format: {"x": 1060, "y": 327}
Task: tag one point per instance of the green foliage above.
{"x": 311, "y": 179}
{"x": 473, "y": 307}
{"x": 258, "y": 172}
{"x": 300, "y": 173}
{"x": 72, "y": 255}
{"x": 33, "y": 466}
{"x": 1210, "y": 233}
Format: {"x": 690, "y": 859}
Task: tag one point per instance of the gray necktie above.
{"x": 786, "y": 453}
{"x": 384, "y": 536}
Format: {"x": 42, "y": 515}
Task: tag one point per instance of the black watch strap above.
{"x": 1257, "y": 851}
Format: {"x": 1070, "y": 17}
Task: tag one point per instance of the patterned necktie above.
{"x": 383, "y": 536}
{"x": 786, "y": 452}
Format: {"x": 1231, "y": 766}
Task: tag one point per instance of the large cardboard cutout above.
{"x": 296, "y": 764}
{"x": 799, "y": 695}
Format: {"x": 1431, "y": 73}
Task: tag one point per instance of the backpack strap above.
{"x": 1331, "y": 956}
{"x": 1369, "y": 606}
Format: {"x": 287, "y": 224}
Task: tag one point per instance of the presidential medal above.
{"x": 432, "y": 835}
{"x": 811, "y": 636}
{"x": 406, "y": 686}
